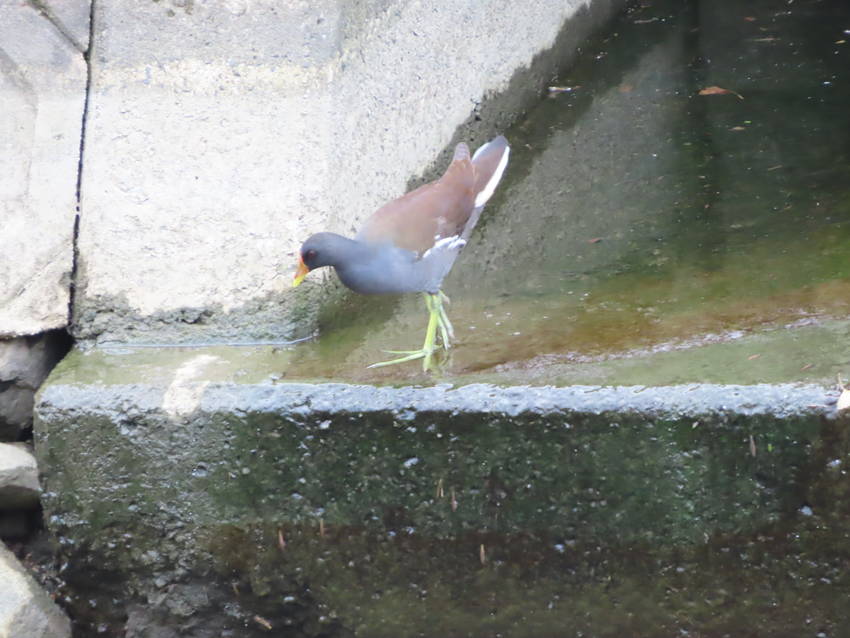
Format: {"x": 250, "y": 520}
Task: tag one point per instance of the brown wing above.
{"x": 439, "y": 209}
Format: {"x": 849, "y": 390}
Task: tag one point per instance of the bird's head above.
{"x": 317, "y": 251}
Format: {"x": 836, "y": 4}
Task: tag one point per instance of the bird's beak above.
{"x": 300, "y": 273}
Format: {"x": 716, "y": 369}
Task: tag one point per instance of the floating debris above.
{"x": 563, "y": 89}
{"x": 262, "y": 622}
{"x": 719, "y": 90}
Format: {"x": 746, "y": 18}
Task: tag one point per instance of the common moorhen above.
{"x": 410, "y": 244}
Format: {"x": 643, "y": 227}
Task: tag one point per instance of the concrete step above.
{"x": 195, "y": 489}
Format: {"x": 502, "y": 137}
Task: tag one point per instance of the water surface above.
{"x": 640, "y": 217}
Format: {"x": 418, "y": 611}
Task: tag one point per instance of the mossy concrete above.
{"x": 198, "y": 493}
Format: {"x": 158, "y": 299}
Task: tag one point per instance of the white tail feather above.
{"x": 490, "y": 188}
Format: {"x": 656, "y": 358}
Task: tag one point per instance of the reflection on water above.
{"x": 637, "y": 213}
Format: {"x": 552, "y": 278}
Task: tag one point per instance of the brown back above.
{"x": 432, "y": 211}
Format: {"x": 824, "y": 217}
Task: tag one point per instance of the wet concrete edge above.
{"x": 302, "y": 399}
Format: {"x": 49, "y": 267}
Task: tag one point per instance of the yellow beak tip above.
{"x": 300, "y": 273}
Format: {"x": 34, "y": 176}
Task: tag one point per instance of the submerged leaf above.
{"x": 719, "y": 90}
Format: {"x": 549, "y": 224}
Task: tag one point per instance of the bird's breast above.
{"x": 385, "y": 270}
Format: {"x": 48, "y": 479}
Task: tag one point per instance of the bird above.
{"x": 410, "y": 244}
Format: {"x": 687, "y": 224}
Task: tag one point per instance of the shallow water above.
{"x": 638, "y": 216}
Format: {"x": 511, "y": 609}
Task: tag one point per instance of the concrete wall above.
{"x": 162, "y": 161}
{"x": 42, "y": 92}
{"x": 220, "y": 135}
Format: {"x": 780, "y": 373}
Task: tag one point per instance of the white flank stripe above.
{"x": 488, "y": 190}
{"x": 446, "y": 243}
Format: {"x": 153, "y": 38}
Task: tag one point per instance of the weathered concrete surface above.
{"x": 42, "y": 88}
{"x": 25, "y": 610}
{"x": 597, "y": 165}
{"x": 204, "y": 485}
{"x": 18, "y": 477}
{"x": 221, "y": 135}
{"x": 24, "y": 363}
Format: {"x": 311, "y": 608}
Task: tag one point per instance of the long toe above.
{"x": 405, "y": 352}
{"x": 435, "y": 322}
{"x": 412, "y": 356}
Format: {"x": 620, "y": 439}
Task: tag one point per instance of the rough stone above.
{"x": 24, "y": 363}
{"x": 221, "y": 135}
{"x": 18, "y": 477}
{"x": 25, "y": 609}
{"x": 42, "y": 87}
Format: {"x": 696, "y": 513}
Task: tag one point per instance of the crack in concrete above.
{"x": 75, "y": 246}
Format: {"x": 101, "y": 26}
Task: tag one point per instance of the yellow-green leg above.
{"x": 437, "y": 320}
{"x": 447, "y": 331}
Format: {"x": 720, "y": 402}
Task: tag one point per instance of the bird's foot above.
{"x": 438, "y": 320}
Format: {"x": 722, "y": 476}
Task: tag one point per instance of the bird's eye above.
{"x": 310, "y": 255}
